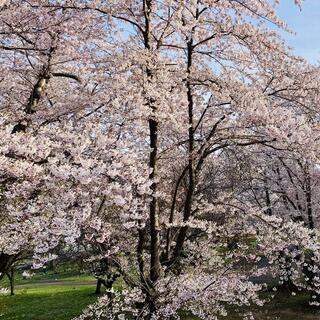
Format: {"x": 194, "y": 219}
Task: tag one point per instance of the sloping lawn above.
{"x": 46, "y": 303}
{"x": 48, "y": 277}
{"x": 64, "y": 301}
{"x": 282, "y": 307}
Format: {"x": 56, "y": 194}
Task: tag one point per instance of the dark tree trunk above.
{"x": 153, "y": 136}
{"x": 191, "y": 187}
{"x": 309, "y": 265}
{"x": 268, "y": 211}
{"x": 10, "y": 276}
{"x": 308, "y": 195}
{"x": 98, "y": 286}
{"x": 287, "y": 286}
{"x": 6, "y": 262}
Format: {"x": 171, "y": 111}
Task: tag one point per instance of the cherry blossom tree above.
{"x": 127, "y": 125}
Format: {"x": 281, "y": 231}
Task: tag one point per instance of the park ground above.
{"x": 51, "y": 296}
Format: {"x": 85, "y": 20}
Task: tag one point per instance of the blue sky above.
{"x": 306, "y": 24}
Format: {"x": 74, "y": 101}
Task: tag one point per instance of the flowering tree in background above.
{"x": 175, "y": 139}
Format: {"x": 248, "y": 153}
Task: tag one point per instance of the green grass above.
{"x": 65, "y": 276}
{"x": 46, "y": 303}
{"x": 48, "y": 276}
{"x": 282, "y": 307}
{"x": 64, "y": 300}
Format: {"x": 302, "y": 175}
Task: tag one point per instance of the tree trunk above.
{"x": 191, "y": 187}
{"x": 153, "y": 135}
{"x": 6, "y": 262}
{"x": 268, "y": 211}
{"x": 10, "y": 276}
{"x": 309, "y": 198}
{"x": 309, "y": 265}
{"x": 98, "y": 286}
{"x": 154, "y": 216}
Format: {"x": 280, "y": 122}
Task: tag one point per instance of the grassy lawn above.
{"x": 282, "y": 307}
{"x": 46, "y": 303}
{"x": 48, "y": 277}
{"x": 63, "y": 300}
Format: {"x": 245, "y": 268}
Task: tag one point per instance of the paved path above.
{"x": 42, "y": 283}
